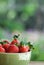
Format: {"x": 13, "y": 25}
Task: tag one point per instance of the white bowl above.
{"x": 15, "y": 58}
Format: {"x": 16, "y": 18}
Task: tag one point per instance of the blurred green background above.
{"x": 25, "y": 17}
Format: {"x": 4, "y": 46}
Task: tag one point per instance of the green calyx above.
{"x": 1, "y": 43}
{"x": 4, "y": 42}
{"x": 22, "y": 43}
{"x": 30, "y": 45}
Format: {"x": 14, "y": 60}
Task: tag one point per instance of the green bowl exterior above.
{"x": 15, "y": 58}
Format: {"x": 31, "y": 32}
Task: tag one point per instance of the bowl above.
{"x": 15, "y": 58}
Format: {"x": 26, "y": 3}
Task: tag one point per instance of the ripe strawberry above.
{"x": 6, "y": 46}
{"x": 23, "y": 48}
{"x": 2, "y": 49}
{"x": 15, "y": 41}
{"x": 13, "y": 49}
{"x": 28, "y": 48}
{"x": 0, "y": 45}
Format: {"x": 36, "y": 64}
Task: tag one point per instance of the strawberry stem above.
{"x": 16, "y": 36}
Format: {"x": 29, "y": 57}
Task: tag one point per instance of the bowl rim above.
{"x": 15, "y": 53}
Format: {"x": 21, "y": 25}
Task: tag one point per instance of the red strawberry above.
{"x": 13, "y": 49}
{"x": 0, "y": 45}
{"x": 6, "y": 46}
{"x": 28, "y": 48}
{"x": 15, "y": 41}
{"x": 2, "y": 49}
{"x": 23, "y": 49}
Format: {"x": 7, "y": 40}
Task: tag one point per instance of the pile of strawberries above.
{"x": 15, "y": 46}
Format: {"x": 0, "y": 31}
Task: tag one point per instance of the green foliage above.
{"x": 11, "y": 14}
{"x": 3, "y": 7}
{"x": 30, "y": 8}
{"x": 38, "y": 52}
{"x": 12, "y": 26}
{"x": 1, "y": 33}
{"x": 24, "y": 16}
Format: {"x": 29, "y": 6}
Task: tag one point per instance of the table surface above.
{"x": 36, "y": 63}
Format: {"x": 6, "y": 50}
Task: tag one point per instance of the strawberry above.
{"x": 23, "y": 48}
{"x": 6, "y": 46}
{"x": 0, "y": 45}
{"x": 13, "y": 49}
{"x": 2, "y": 49}
{"x": 15, "y": 40}
{"x": 28, "y": 48}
